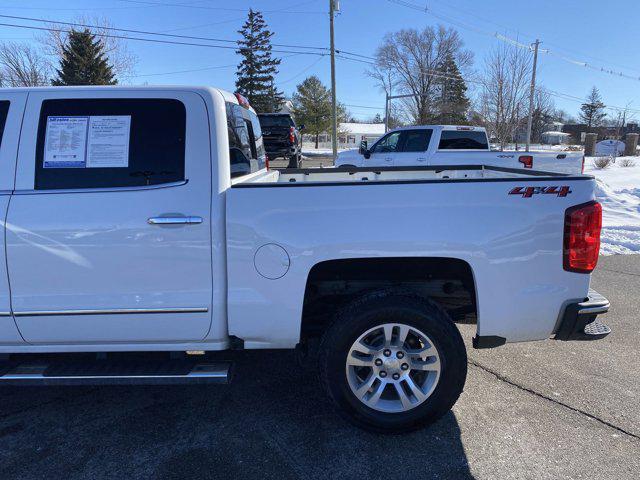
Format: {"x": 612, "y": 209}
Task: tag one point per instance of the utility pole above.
{"x": 387, "y": 108}
{"x": 334, "y": 103}
{"x": 532, "y": 93}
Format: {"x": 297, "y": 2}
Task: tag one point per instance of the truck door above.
{"x": 11, "y": 111}
{"x": 384, "y": 151}
{"x": 108, "y": 232}
{"x": 414, "y": 144}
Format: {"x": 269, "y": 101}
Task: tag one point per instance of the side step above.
{"x": 115, "y": 373}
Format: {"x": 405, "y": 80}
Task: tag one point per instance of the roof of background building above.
{"x": 363, "y": 128}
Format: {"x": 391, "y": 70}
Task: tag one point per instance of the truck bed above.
{"x": 403, "y": 174}
{"x": 506, "y": 224}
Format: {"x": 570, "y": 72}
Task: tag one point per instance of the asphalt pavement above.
{"x": 529, "y": 411}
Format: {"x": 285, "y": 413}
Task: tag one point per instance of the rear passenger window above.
{"x": 463, "y": 140}
{"x": 4, "y": 111}
{"x": 107, "y": 143}
{"x": 416, "y": 140}
{"x": 246, "y": 148}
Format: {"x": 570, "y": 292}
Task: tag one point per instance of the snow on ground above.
{"x": 618, "y": 191}
{"x": 319, "y": 152}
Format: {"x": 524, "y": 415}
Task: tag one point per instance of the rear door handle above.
{"x": 422, "y": 159}
{"x": 389, "y": 159}
{"x": 174, "y": 220}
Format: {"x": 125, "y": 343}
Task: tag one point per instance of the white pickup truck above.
{"x": 441, "y": 145}
{"x": 144, "y": 220}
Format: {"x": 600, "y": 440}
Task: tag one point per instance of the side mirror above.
{"x": 363, "y": 147}
{"x": 301, "y": 127}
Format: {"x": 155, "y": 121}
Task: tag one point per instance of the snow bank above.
{"x": 618, "y": 190}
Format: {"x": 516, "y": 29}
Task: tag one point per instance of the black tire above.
{"x": 295, "y": 161}
{"x": 404, "y": 307}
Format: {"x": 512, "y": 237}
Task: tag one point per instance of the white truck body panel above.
{"x": 560, "y": 162}
{"x": 511, "y": 243}
{"x": 87, "y": 272}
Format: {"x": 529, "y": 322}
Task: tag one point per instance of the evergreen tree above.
{"x": 592, "y": 112}
{"x": 377, "y": 119}
{"x": 84, "y": 62}
{"x": 451, "y": 98}
{"x": 312, "y": 107}
{"x": 257, "y": 69}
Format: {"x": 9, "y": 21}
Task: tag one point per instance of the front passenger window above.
{"x": 388, "y": 144}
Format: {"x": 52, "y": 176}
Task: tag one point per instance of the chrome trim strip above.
{"x": 156, "y": 186}
{"x": 5, "y": 314}
{"x": 594, "y": 309}
{"x": 174, "y": 220}
{"x": 115, "y": 311}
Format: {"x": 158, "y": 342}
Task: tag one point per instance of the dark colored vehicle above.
{"x": 282, "y": 138}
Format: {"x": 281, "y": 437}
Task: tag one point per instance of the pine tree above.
{"x": 257, "y": 69}
{"x": 84, "y": 62}
{"x": 312, "y": 107}
{"x": 592, "y": 112}
{"x": 451, "y": 100}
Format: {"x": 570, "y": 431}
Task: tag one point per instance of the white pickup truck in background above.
{"x": 143, "y": 235}
{"x": 431, "y": 145}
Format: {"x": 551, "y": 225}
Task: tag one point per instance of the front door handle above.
{"x": 174, "y": 220}
{"x": 389, "y": 159}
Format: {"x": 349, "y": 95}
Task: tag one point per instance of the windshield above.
{"x": 275, "y": 121}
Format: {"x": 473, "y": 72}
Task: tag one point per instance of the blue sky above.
{"x": 604, "y": 35}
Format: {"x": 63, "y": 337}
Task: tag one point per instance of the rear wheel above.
{"x": 295, "y": 161}
{"x": 393, "y": 361}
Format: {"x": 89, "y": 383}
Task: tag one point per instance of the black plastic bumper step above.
{"x": 115, "y": 373}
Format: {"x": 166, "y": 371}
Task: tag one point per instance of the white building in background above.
{"x": 349, "y": 135}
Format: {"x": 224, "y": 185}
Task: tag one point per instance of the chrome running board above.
{"x": 114, "y": 373}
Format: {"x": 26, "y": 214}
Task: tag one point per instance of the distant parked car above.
{"x": 282, "y": 138}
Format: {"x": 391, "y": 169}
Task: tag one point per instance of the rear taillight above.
{"x": 292, "y": 137}
{"x": 526, "y": 160}
{"x": 266, "y": 161}
{"x": 582, "y": 164}
{"x": 582, "y": 225}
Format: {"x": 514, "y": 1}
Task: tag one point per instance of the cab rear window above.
{"x": 275, "y": 121}
{"x": 463, "y": 140}
{"x": 246, "y": 146}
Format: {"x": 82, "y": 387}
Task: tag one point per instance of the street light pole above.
{"x": 532, "y": 92}
{"x": 334, "y": 104}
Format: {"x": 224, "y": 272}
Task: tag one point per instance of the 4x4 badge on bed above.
{"x": 528, "y": 192}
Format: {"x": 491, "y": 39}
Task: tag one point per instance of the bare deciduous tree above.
{"x": 22, "y": 66}
{"x": 505, "y": 92}
{"x": 543, "y": 114}
{"x": 122, "y": 60}
{"x": 408, "y": 61}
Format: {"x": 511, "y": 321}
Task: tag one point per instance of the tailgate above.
{"x": 276, "y": 137}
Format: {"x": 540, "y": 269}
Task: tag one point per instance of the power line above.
{"x": 152, "y": 40}
{"x": 512, "y": 41}
{"x": 306, "y": 69}
{"x": 217, "y": 67}
{"x": 146, "y": 32}
{"x": 364, "y": 106}
{"x": 205, "y": 7}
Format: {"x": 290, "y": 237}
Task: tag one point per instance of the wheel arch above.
{"x": 331, "y": 284}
